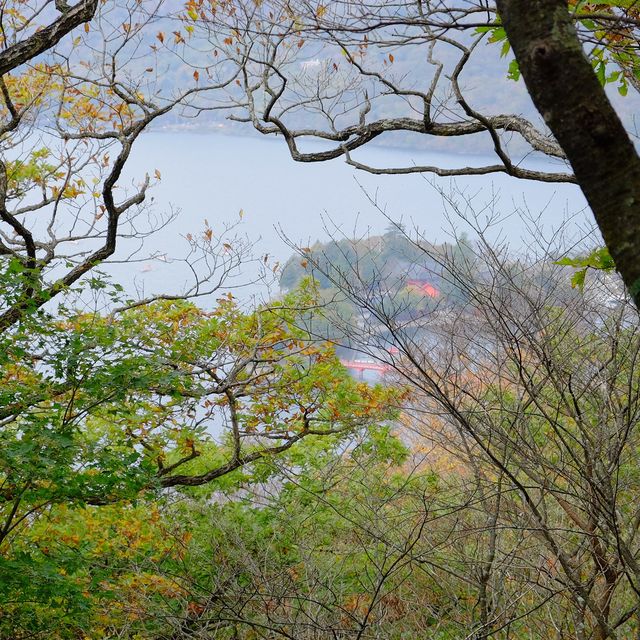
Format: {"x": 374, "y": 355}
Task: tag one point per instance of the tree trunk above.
{"x": 47, "y": 37}
{"x": 566, "y": 92}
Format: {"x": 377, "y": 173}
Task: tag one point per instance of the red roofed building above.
{"x": 423, "y": 287}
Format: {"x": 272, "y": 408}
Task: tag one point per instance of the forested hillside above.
{"x": 199, "y": 461}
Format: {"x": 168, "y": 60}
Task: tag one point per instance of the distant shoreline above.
{"x": 434, "y": 145}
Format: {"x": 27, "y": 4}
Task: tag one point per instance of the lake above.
{"x": 213, "y": 176}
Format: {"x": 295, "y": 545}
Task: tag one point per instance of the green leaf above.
{"x": 514, "y": 70}
{"x": 577, "y": 280}
{"x": 623, "y": 4}
{"x": 599, "y": 259}
{"x": 569, "y": 262}
{"x": 498, "y": 35}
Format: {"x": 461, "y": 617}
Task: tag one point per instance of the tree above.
{"x": 106, "y": 410}
{"x": 567, "y": 93}
{"x": 510, "y": 511}
{"x": 71, "y": 110}
{"x": 531, "y": 386}
{"x": 528, "y": 385}
{"x": 107, "y": 399}
{"x": 348, "y": 73}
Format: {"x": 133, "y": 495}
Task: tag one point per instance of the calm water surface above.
{"x": 213, "y": 176}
